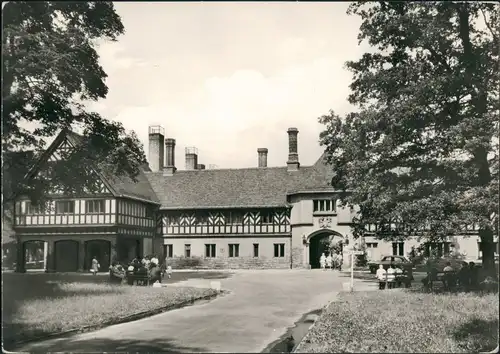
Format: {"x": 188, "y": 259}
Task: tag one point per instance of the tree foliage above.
{"x": 419, "y": 156}
{"x": 50, "y": 68}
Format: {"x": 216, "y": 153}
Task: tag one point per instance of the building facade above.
{"x": 257, "y": 217}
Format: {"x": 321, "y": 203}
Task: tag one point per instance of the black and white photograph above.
{"x": 250, "y": 176}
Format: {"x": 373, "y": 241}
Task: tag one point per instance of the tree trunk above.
{"x": 488, "y": 252}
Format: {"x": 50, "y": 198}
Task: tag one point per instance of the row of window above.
{"x": 438, "y": 248}
{"x": 324, "y": 205}
{"x": 92, "y": 206}
{"x": 233, "y": 248}
{"x": 216, "y": 219}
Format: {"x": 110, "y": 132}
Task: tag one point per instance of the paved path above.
{"x": 261, "y": 306}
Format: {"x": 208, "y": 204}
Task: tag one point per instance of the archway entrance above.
{"x": 33, "y": 254}
{"x": 101, "y": 249}
{"x": 323, "y": 242}
{"x": 66, "y": 256}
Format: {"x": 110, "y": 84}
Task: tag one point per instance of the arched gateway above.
{"x": 323, "y": 241}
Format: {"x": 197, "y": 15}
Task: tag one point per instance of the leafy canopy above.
{"x": 422, "y": 146}
{"x": 50, "y": 68}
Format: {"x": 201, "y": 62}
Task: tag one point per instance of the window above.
{"x": 210, "y": 250}
{"x": 65, "y": 207}
{"x": 202, "y": 219}
{"x": 255, "y": 249}
{"x": 234, "y": 250}
{"x": 187, "y": 250}
{"x": 279, "y": 250}
{"x": 94, "y": 206}
{"x": 35, "y": 209}
{"x": 371, "y": 245}
{"x": 398, "y": 248}
{"x": 326, "y": 205}
{"x": 266, "y": 218}
{"x": 236, "y": 218}
{"x": 437, "y": 249}
{"x": 149, "y": 213}
{"x": 168, "y": 251}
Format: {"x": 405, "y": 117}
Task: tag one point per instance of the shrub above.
{"x": 184, "y": 262}
{"x": 361, "y": 260}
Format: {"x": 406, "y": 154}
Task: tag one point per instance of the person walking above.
{"x": 95, "y": 266}
{"x": 381, "y": 276}
{"x": 391, "y": 277}
{"x": 322, "y": 261}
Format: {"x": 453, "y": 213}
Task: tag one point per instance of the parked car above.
{"x": 386, "y": 261}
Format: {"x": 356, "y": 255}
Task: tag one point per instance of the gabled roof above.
{"x": 238, "y": 188}
{"x": 120, "y": 186}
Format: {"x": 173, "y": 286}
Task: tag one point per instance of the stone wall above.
{"x": 229, "y": 263}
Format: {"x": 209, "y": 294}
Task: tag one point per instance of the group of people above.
{"x": 467, "y": 277}
{"x": 393, "y": 277}
{"x": 332, "y": 261}
{"x": 147, "y": 268}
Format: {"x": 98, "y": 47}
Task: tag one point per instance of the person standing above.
{"x": 448, "y": 277}
{"x": 391, "y": 277}
{"x": 381, "y": 276}
{"x": 398, "y": 273}
{"x": 329, "y": 261}
{"x": 322, "y": 261}
{"x": 95, "y": 266}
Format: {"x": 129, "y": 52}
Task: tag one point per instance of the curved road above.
{"x": 261, "y": 306}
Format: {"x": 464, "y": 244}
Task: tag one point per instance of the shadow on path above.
{"x": 165, "y": 345}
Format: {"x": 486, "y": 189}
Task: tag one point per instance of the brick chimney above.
{"x": 170, "y": 168}
{"x": 191, "y": 158}
{"x": 156, "y": 152}
{"x": 262, "y": 152}
{"x": 293, "y": 155}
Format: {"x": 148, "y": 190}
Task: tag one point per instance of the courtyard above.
{"x": 260, "y": 307}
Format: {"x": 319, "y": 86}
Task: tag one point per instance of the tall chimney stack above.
{"x": 293, "y": 155}
{"x": 191, "y": 158}
{"x": 262, "y": 152}
{"x": 170, "y": 168}
{"x": 156, "y": 152}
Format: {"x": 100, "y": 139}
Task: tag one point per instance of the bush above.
{"x": 184, "y": 262}
{"x": 361, "y": 260}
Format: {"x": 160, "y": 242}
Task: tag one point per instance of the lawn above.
{"x": 41, "y": 304}
{"x": 405, "y": 321}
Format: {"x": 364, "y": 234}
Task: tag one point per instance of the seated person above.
{"x": 448, "y": 277}
{"x": 116, "y": 272}
{"x": 155, "y": 273}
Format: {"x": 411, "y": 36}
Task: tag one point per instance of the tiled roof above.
{"x": 246, "y": 187}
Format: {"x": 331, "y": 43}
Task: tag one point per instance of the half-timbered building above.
{"x": 256, "y": 217}
{"x": 113, "y": 219}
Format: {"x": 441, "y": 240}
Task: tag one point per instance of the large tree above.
{"x": 421, "y": 148}
{"x": 50, "y": 70}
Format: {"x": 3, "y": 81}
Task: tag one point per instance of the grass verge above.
{"x": 399, "y": 321}
{"x": 74, "y": 305}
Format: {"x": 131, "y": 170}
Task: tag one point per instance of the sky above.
{"x": 228, "y": 78}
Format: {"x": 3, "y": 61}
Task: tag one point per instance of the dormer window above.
{"x": 324, "y": 206}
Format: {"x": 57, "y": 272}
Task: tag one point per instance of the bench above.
{"x": 138, "y": 279}
{"x": 442, "y": 277}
